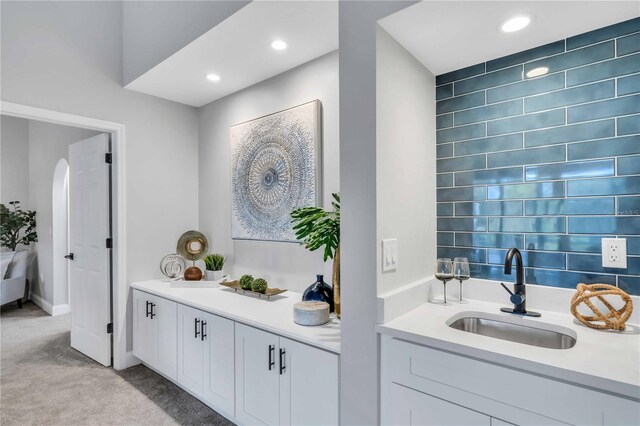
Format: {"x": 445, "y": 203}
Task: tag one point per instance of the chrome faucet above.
{"x": 519, "y": 293}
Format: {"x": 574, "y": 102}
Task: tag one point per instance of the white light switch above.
{"x": 614, "y": 253}
{"x": 389, "y": 255}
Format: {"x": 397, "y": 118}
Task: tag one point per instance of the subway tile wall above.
{"x": 550, "y": 165}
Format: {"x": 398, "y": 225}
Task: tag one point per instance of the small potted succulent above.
{"x": 214, "y": 262}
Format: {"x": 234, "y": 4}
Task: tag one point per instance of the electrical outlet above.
{"x": 614, "y": 253}
{"x": 389, "y": 255}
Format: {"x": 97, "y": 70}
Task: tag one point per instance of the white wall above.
{"x": 67, "y": 56}
{"x": 14, "y": 157}
{"x": 405, "y": 162}
{"x": 154, "y": 30}
{"x": 359, "y": 263}
{"x": 48, "y": 143}
{"x": 284, "y": 265}
{"x": 60, "y": 236}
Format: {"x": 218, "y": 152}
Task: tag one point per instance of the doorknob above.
{"x": 69, "y": 256}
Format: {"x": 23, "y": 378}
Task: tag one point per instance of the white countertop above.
{"x": 273, "y": 315}
{"x": 604, "y": 360}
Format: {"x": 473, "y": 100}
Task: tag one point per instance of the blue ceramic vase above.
{"x": 319, "y": 291}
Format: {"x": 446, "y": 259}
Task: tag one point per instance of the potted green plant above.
{"x": 315, "y": 228}
{"x": 17, "y": 226}
{"x": 214, "y": 262}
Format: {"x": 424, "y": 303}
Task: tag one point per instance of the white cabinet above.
{"x": 219, "y": 369}
{"x": 206, "y": 357}
{"x": 281, "y": 382}
{"x": 155, "y": 332}
{"x": 248, "y": 375}
{"x": 257, "y": 376}
{"x": 191, "y": 349}
{"x": 308, "y": 385}
{"x": 419, "y": 373}
{"x": 411, "y": 407}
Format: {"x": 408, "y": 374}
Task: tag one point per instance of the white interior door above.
{"x": 90, "y": 268}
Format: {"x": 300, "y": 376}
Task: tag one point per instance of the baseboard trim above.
{"x": 60, "y": 310}
{"x": 41, "y": 303}
{"x": 129, "y": 361}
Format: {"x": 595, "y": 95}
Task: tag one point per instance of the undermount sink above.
{"x": 539, "y": 334}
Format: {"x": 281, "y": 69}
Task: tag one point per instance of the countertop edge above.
{"x": 239, "y": 319}
{"x": 596, "y": 383}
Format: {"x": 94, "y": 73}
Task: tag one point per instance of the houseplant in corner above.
{"x": 214, "y": 263}
{"x": 315, "y": 228}
{"x": 17, "y": 226}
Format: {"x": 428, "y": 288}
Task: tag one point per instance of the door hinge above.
{"x": 108, "y": 158}
{"x": 110, "y": 328}
{"x": 109, "y": 243}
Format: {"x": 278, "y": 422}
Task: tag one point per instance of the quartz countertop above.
{"x": 273, "y": 315}
{"x": 604, "y": 360}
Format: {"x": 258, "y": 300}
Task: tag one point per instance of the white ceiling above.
{"x": 239, "y": 51}
{"x": 449, "y": 35}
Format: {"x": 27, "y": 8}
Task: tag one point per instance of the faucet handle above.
{"x": 515, "y": 298}
{"x": 506, "y": 288}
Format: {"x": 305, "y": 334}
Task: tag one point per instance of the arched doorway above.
{"x": 60, "y": 234}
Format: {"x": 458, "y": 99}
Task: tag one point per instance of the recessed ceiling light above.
{"x": 537, "y": 72}
{"x": 515, "y": 23}
{"x": 279, "y": 44}
{"x": 213, "y": 77}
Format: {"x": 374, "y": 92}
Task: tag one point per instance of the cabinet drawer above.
{"x": 522, "y": 397}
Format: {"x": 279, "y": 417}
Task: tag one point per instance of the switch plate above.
{"x": 389, "y": 255}
{"x": 614, "y": 253}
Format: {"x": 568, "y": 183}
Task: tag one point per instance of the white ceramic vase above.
{"x": 213, "y": 275}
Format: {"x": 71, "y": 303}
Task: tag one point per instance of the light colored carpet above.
{"x": 44, "y": 381}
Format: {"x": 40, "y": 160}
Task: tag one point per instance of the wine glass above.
{"x": 444, "y": 273}
{"x": 461, "y": 273}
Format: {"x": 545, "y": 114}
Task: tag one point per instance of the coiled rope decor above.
{"x": 615, "y": 319}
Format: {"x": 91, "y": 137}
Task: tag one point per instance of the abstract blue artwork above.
{"x": 275, "y": 168}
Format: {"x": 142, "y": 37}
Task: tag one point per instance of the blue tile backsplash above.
{"x": 550, "y": 165}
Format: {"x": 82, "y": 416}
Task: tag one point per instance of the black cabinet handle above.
{"x": 196, "y": 331}
{"x": 203, "y": 330}
{"x": 272, "y": 362}
{"x": 283, "y": 367}
{"x": 153, "y": 314}
{"x": 148, "y": 312}
{"x": 69, "y": 256}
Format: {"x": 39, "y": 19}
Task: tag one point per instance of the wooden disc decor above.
{"x": 192, "y": 245}
{"x": 615, "y": 319}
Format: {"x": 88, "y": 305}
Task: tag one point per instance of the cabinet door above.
{"x": 144, "y": 342}
{"x": 165, "y": 314}
{"x": 191, "y": 349}
{"x": 219, "y": 387}
{"x": 410, "y": 407}
{"x": 308, "y": 385}
{"x": 257, "y": 376}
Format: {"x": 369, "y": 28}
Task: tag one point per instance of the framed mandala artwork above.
{"x": 275, "y": 169}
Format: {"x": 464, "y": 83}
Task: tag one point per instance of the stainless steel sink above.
{"x": 496, "y": 326}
